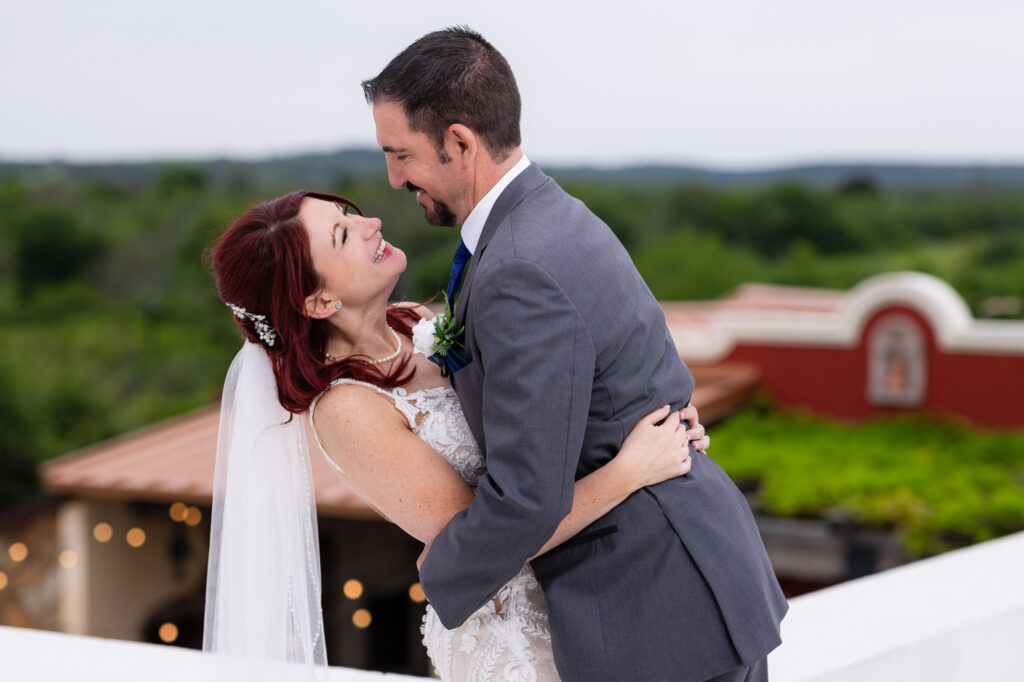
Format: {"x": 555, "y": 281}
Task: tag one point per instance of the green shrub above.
{"x": 937, "y": 484}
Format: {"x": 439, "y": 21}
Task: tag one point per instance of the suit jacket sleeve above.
{"x": 538, "y": 366}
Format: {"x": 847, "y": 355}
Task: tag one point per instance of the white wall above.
{"x": 31, "y": 655}
{"x": 956, "y": 617}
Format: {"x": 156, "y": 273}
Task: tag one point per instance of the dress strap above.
{"x": 344, "y": 380}
{"x": 400, "y": 401}
{"x": 399, "y": 396}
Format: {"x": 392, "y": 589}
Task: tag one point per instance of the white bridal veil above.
{"x": 263, "y": 582}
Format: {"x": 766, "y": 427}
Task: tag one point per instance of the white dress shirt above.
{"x": 473, "y": 226}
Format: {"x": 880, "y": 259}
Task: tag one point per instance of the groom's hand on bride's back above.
{"x": 698, "y": 438}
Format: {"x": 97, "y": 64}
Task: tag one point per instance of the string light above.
{"x": 102, "y": 532}
{"x": 168, "y": 632}
{"x": 193, "y": 516}
{"x": 18, "y": 552}
{"x": 416, "y": 593}
{"x": 362, "y": 619}
{"x": 353, "y": 589}
{"x": 3, "y": 580}
{"x": 68, "y": 558}
{"x": 178, "y": 511}
{"x": 136, "y": 537}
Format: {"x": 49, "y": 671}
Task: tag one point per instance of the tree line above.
{"x": 109, "y": 319}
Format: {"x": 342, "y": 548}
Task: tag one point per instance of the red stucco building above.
{"x": 897, "y": 342}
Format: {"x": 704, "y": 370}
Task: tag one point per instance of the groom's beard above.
{"x": 440, "y": 215}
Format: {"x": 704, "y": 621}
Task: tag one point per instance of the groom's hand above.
{"x": 698, "y": 438}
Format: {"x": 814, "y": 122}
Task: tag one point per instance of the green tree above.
{"x": 777, "y": 218}
{"x": 181, "y": 179}
{"x": 18, "y": 444}
{"x": 50, "y": 246}
{"x": 692, "y": 265}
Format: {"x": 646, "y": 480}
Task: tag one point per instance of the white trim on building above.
{"x": 956, "y": 331}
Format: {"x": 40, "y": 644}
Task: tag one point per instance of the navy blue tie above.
{"x": 462, "y": 256}
{"x": 452, "y": 361}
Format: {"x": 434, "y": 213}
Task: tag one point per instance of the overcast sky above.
{"x": 730, "y": 84}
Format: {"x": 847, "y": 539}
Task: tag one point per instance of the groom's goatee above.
{"x": 441, "y": 216}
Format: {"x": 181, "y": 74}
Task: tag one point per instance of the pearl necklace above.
{"x": 398, "y": 342}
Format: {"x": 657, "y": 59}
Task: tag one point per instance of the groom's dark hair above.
{"x": 453, "y": 76}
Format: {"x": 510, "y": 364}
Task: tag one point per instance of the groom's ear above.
{"x": 318, "y": 307}
{"x": 462, "y": 142}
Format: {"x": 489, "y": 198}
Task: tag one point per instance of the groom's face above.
{"x": 414, "y": 163}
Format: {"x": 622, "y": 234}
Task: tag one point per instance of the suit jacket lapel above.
{"x": 525, "y": 183}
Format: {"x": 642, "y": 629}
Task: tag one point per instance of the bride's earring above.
{"x": 337, "y": 306}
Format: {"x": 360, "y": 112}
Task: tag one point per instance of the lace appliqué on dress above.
{"x": 436, "y": 417}
{"x": 507, "y": 639}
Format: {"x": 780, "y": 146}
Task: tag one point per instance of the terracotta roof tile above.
{"x": 173, "y": 460}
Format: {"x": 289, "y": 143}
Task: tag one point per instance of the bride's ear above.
{"x": 319, "y": 307}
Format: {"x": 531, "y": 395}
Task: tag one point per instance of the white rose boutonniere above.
{"x": 423, "y": 336}
{"x": 437, "y": 338}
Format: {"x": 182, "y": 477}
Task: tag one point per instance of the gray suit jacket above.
{"x": 568, "y": 349}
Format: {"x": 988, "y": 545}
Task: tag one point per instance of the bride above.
{"x": 308, "y": 279}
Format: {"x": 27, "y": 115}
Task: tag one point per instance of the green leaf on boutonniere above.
{"x": 445, "y": 334}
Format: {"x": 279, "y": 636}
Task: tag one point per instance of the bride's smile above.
{"x": 359, "y": 268}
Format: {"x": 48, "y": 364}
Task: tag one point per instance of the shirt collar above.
{"x": 473, "y": 226}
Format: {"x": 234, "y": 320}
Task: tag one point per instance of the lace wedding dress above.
{"x": 507, "y": 639}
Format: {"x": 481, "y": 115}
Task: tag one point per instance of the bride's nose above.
{"x": 369, "y": 226}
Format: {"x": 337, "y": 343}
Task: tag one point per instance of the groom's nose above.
{"x": 395, "y": 175}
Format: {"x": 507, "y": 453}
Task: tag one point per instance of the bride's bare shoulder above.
{"x": 349, "y": 408}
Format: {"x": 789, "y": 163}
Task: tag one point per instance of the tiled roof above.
{"x": 722, "y": 389}
{"x": 173, "y": 460}
{"x": 754, "y": 298}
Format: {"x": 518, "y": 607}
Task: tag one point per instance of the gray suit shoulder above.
{"x": 559, "y": 234}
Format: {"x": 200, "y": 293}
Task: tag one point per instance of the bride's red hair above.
{"x": 263, "y": 263}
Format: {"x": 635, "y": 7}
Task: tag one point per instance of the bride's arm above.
{"x": 416, "y": 488}
{"x": 650, "y": 454}
{"x": 387, "y": 464}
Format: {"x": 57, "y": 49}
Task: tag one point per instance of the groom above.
{"x": 566, "y": 350}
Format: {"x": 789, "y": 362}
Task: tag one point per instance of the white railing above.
{"x": 37, "y": 656}
{"x": 959, "y": 616}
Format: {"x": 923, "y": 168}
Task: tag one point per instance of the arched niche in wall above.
{"x": 897, "y": 362}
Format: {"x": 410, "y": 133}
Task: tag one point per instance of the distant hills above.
{"x": 305, "y": 170}
{"x": 337, "y": 168}
{"x": 883, "y": 176}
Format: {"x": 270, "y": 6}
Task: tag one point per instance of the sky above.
{"x": 730, "y": 84}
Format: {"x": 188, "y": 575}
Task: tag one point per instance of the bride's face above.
{"x": 349, "y": 252}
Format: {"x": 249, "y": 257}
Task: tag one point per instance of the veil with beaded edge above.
{"x": 263, "y": 579}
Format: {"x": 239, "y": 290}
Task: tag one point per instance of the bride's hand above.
{"x": 698, "y": 438}
{"x": 651, "y": 454}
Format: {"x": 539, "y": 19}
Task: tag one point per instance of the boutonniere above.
{"x": 438, "y": 339}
